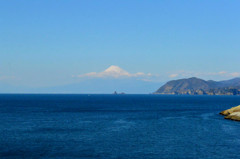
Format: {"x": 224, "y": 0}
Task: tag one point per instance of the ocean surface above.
{"x": 117, "y": 127}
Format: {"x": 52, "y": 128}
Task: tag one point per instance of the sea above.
{"x": 88, "y": 126}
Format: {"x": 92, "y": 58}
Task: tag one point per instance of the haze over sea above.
{"x": 117, "y": 126}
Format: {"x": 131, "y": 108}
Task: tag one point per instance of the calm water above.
{"x": 117, "y": 126}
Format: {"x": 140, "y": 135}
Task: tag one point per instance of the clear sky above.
{"x": 57, "y": 42}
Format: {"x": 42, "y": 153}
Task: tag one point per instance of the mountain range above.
{"x": 197, "y": 86}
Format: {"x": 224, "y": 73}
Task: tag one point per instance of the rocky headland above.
{"x": 196, "y": 86}
{"x": 232, "y": 113}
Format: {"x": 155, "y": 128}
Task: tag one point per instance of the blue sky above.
{"x": 55, "y": 42}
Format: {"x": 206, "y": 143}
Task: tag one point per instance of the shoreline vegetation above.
{"x": 232, "y": 113}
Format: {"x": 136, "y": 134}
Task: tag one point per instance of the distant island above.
{"x": 196, "y": 86}
{"x": 115, "y": 92}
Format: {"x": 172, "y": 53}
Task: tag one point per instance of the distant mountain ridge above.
{"x": 197, "y": 86}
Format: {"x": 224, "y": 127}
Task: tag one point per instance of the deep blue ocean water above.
{"x": 117, "y": 127}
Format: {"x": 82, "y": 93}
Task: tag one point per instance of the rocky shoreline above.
{"x": 232, "y": 113}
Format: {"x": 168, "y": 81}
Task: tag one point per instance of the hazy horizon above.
{"x": 106, "y": 46}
